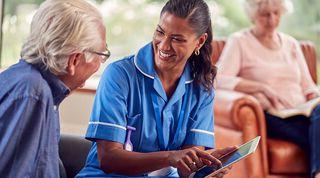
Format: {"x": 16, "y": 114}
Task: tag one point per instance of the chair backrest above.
{"x": 73, "y": 151}
{"x": 309, "y": 52}
{"x": 217, "y": 47}
{"x": 307, "y": 47}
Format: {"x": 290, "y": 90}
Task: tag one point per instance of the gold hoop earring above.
{"x": 197, "y": 52}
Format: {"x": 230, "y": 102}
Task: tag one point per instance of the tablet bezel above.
{"x": 254, "y": 144}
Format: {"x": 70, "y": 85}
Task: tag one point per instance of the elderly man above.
{"x": 65, "y": 47}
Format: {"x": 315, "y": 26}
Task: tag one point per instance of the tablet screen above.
{"x": 240, "y": 153}
{"x": 230, "y": 158}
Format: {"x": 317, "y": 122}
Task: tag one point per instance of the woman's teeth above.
{"x": 162, "y": 54}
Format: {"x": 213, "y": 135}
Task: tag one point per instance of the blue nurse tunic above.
{"x": 131, "y": 94}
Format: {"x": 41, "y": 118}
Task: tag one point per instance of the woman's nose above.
{"x": 273, "y": 17}
{"x": 165, "y": 43}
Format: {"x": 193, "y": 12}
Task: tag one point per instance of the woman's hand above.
{"x": 221, "y": 173}
{"x": 311, "y": 96}
{"x": 219, "y": 153}
{"x": 263, "y": 100}
{"x": 276, "y": 101}
{"x": 253, "y": 87}
{"x": 190, "y": 160}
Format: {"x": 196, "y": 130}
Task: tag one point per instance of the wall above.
{"x": 75, "y": 112}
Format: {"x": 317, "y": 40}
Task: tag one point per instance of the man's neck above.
{"x": 68, "y": 82}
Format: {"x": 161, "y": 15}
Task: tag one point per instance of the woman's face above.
{"x": 267, "y": 18}
{"x": 174, "y": 41}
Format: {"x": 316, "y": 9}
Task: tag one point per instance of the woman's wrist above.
{"x": 261, "y": 88}
{"x": 168, "y": 158}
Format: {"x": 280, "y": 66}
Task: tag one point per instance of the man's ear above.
{"x": 73, "y": 61}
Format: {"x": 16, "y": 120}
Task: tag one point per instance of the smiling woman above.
{"x": 174, "y": 41}
{"x": 159, "y": 100}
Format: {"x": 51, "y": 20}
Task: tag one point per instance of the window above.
{"x": 130, "y": 23}
{"x": 15, "y": 27}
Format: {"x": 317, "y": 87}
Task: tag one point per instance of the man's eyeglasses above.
{"x": 105, "y": 55}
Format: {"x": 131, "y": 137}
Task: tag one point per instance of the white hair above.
{"x": 60, "y": 28}
{"x": 252, "y": 6}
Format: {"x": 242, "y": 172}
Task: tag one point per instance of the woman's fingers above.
{"x": 221, "y": 174}
{"x": 210, "y": 157}
{"x": 277, "y": 101}
{"x": 285, "y": 103}
{"x": 218, "y": 153}
{"x": 206, "y": 162}
{"x": 190, "y": 163}
{"x": 196, "y": 160}
{"x": 193, "y": 159}
{"x": 183, "y": 169}
{"x": 263, "y": 100}
{"x": 272, "y": 96}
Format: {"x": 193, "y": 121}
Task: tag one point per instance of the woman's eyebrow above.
{"x": 174, "y": 35}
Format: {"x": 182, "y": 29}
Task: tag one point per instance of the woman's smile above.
{"x": 165, "y": 56}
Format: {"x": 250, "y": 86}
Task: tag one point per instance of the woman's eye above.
{"x": 159, "y": 32}
{"x": 177, "y": 39}
{"x": 264, "y": 14}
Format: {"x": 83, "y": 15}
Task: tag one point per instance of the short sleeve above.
{"x": 108, "y": 117}
{"x": 201, "y": 130}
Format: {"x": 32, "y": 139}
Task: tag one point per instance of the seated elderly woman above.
{"x": 269, "y": 65}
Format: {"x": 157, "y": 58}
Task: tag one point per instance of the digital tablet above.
{"x": 229, "y": 159}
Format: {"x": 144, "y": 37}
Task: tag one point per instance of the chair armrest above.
{"x": 241, "y": 112}
{"x": 228, "y": 105}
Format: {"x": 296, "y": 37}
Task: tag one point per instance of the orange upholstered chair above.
{"x": 239, "y": 118}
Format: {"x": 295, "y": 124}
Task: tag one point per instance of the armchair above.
{"x": 239, "y": 118}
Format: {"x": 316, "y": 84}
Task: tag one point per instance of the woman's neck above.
{"x": 169, "y": 80}
{"x": 263, "y": 33}
{"x": 269, "y": 39}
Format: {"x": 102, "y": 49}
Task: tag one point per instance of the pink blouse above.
{"x": 284, "y": 70}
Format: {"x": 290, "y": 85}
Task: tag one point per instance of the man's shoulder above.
{"x": 22, "y": 81}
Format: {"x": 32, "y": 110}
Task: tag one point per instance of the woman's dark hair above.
{"x": 198, "y": 16}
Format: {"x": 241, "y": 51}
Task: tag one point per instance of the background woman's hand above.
{"x": 263, "y": 100}
{"x": 254, "y": 88}
{"x": 276, "y": 101}
{"x": 311, "y": 96}
{"x": 191, "y": 159}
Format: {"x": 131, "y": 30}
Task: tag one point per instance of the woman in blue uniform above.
{"x": 153, "y": 112}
